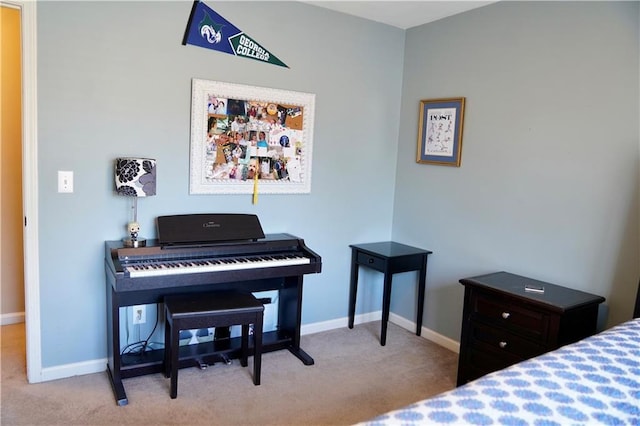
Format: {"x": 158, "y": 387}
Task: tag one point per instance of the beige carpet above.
{"x": 353, "y": 379}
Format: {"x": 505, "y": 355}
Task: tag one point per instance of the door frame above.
{"x": 28, "y": 24}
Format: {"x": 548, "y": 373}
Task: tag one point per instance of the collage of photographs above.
{"x": 249, "y": 140}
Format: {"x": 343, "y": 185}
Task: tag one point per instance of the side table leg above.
{"x": 421, "y": 289}
{"x": 353, "y": 288}
{"x": 386, "y": 302}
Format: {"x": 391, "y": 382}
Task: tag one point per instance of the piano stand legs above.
{"x": 301, "y": 355}
{"x": 118, "y": 389}
{"x": 121, "y": 395}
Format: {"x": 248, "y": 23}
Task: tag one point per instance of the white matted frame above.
{"x": 242, "y": 135}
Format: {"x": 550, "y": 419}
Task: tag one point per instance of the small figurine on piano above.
{"x": 133, "y": 228}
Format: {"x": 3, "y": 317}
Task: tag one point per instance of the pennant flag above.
{"x": 209, "y": 30}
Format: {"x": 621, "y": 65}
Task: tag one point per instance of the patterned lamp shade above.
{"x": 136, "y": 177}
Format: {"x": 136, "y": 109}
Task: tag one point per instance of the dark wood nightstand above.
{"x": 507, "y": 319}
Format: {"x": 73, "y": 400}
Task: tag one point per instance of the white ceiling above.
{"x": 402, "y": 14}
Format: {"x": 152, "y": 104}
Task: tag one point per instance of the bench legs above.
{"x": 257, "y": 349}
{"x": 172, "y": 348}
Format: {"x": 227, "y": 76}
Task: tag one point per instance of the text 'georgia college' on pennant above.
{"x": 209, "y": 30}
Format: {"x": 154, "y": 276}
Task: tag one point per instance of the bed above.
{"x": 593, "y": 381}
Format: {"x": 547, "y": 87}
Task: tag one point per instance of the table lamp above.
{"x": 135, "y": 177}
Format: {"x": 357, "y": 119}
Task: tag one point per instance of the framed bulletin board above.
{"x": 242, "y": 134}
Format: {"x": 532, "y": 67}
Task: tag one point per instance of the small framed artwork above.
{"x": 243, "y": 136}
{"x": 440, "y": 131}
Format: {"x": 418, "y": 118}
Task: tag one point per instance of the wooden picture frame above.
{"x": 440, "y": 131}
{"x": 243, "y": 136}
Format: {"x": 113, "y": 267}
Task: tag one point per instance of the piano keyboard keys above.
{"x": 213, "y": 265}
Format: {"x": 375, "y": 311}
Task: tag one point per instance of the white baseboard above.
{"x": 100, "y": 365}
{"x": 339, "y": 323}
{"x": 75, "y": 369}
{"x": 12, "y": 318}
{"x": 426, "y": 333}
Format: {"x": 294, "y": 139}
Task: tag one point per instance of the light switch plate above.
{"x": 65, "y": 181}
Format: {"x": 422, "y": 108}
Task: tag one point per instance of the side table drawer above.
{"x": 517, "y": 317}
{"x": 371, "y": 261}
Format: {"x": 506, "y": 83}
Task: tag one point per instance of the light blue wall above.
{"x": 548, "y": 186}
{"x": 114, "y": 79}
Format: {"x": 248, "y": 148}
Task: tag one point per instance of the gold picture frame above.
{"x": 440, "y": 130}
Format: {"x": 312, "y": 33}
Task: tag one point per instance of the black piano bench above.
{"x": 217, "y": 309}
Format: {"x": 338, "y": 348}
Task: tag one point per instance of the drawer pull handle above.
{"x": 502, "y": 345}
{"x": 506, "y": 315}
{"x": 370, "y": 260}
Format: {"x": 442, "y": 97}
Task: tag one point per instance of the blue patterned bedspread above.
{"x": 593, "y": 381}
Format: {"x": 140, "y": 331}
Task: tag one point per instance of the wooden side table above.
{"x": 389, "y": 258}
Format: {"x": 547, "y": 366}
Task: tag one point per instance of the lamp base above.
{"x": 140, "y": 242}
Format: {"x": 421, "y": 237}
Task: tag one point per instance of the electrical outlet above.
{"x": 139, "y": 314}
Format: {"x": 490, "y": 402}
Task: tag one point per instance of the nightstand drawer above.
{"x": 371, "y": 261}
{"x": 506, "y": 313}
{"x": 479, "y": 362}
{"x": 502, "y": 343}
